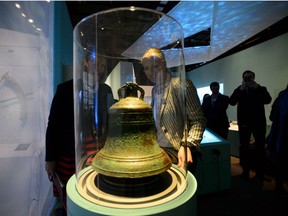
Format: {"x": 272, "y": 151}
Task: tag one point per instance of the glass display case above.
{"x": 124, "y": 59}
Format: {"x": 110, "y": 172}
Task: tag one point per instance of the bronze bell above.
{"x": 131, "y": 149}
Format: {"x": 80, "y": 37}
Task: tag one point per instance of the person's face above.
{"x": 98, "y": 69}
{"x": 248, "y": 77}
{"x": 214, "y": 89}
{"x": 154, "y": 69}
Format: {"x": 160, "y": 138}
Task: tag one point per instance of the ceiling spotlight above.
{"x": 17, "y": 5}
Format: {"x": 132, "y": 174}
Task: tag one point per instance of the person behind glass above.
{"x": 250, "y": 98}
{"x": 170, "y": 130}
{"x": 94, "y": 82}
{"x": 277, "y": 140}
{"x": 60, "y": 138}
{"x": 214, "y": 107}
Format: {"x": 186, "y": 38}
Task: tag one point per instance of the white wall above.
{"x": 268, "y": 60}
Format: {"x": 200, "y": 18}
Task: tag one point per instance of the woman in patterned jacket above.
{"x": 168, "y": 101}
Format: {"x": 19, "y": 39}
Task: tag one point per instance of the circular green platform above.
{"x": 183, "y": 204}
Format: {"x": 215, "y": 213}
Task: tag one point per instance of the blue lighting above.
{"x": 231, "y": 23}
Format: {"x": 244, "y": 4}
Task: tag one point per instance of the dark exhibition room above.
{"x": 144, "y": 108}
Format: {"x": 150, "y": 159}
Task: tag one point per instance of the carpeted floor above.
{"x": 245, "y": 198}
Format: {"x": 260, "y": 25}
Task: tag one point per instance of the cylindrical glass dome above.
{"x": 122, "y": 115}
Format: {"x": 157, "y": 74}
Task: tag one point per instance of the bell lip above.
{"x": 132, "y": 174}
{"x": 136, "y": 166}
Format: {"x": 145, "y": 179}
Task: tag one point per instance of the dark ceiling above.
{"x": 81, "y": 9}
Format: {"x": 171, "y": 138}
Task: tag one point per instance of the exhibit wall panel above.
{"x": 26, "y": 72}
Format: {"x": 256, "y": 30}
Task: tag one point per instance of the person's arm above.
{"x": 196, "y": 124}
{"x": 224, "y": 102}
{"x": 196, "y": 119}
{"x": 50, "y": 167}
{"x": 233, "y": 100}
{"x": 264, "y": 95}
{"x": 53, "y": 133}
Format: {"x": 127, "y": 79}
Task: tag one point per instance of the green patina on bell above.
{"x": 131, "y": 149}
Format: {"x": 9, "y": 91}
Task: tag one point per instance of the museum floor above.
{"x": 245, "y": 197}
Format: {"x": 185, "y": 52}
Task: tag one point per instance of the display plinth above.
{"x": 213, "y": 172}
{"x": 180, "y": 203}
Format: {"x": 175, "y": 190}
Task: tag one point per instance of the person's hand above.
{"x": 249, "y": 85}
{"x": 50, "y": 169}
{"x": 181, "y": 157}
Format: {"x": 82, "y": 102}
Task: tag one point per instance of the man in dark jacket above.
{"x": 214, "y": 107}
{"x": 251, "y": 98}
